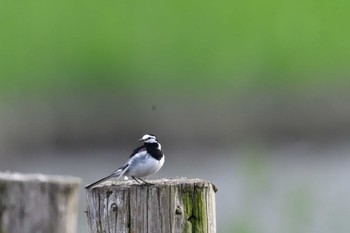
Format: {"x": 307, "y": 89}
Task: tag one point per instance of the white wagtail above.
{"x": 145, "y": 160}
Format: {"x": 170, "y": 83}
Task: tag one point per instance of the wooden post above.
{"x": 170, "y": 205}
{"x": 38, "y": 203}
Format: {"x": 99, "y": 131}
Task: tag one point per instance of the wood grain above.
{"x": 169, "y": 205}
{"x": 38, "y": 203}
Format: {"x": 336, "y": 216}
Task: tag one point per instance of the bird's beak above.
{"x": 141, "y": 140}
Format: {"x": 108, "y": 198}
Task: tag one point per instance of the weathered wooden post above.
{"x": 38, "y": 203}
{"x": 170, "y": 205}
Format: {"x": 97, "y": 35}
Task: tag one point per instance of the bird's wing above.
{"x": 137, "y": 150}
{"x": 121, "y": 170}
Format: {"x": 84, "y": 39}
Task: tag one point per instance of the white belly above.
{"x": 143, "y": 164}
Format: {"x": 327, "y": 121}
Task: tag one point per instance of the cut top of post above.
{"x": 155, "y": 183}
{"x": 40, "y": 178}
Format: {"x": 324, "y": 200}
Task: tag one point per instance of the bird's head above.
{"x": 148, "y": 138}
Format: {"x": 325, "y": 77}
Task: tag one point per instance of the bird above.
{"x": 145, "y": 160}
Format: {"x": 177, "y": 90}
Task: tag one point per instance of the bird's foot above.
{"x": 144, "y": 182}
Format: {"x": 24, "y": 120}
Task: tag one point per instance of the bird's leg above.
{"x": 136, "y": 179}
{"x": 145, "y": 181}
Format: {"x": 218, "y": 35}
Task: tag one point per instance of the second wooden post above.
{"x": 170, "y": 205}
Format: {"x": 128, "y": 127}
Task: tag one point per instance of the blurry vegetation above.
{"x": 243, "y": 225}
{"x": 193, "y": 47}
{"x": 256, "y": 168}
{"x": 298, "y": 209}
{"x": 123, "y": 45}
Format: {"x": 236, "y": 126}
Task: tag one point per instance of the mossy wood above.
{"x": 38, "y": 203}
{"x": 169, "y": 205}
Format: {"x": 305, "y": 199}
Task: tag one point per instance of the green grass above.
{"x": 122, "y": 45}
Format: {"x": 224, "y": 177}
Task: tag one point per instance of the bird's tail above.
{"x": 100, "y": 181}
{"x": 118, "y": 173}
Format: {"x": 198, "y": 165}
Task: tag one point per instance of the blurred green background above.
{"x": 259, "y": 90}
{"x": 121, "y": 46}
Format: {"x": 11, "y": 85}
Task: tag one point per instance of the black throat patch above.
{"x": 153, "y": 150}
